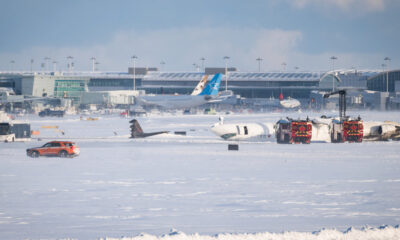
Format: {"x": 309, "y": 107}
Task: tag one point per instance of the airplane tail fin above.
{"x": 200, "y": 86}
{"x": 212, "y": 87}
{"x": 137, "y": 131}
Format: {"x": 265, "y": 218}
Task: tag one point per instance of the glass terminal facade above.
{"x": 386, "y": 81}
{"x": 69, "y": 89}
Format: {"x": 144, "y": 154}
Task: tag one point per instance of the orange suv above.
{"x": 54, "y": 148}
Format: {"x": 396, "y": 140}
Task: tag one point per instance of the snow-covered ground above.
{"x": 124, "y": 187}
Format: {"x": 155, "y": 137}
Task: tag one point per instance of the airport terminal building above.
{"x": 299, "y": 85}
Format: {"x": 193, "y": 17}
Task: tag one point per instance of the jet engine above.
{"x": 381, "y": 131}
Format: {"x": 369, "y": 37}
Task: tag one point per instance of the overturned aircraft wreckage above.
{"x": 137, "y": 131}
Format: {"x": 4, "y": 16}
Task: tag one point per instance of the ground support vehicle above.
{"x": 15, "y": 131}
{"x": 51, "y": 113}
{"x": 293, "y": 131}
{"x": 55, "y": 148}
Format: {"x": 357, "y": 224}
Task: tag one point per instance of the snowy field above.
{"x": 125, "y": 187}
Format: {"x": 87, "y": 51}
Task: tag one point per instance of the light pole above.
{"x": 202, "y": 63}
{"x": 226, "y": 58}
{"x": 70, "y": 62}
{"x": 93, "y": 60}
{"x": 196, "y": 67}
{"x": 284, "y": 66}
{"x": 31, "y": 63}
{"x": 333, "y": 58}
{"x": 259, "y": 59}
{"x": 46, "y": 59}
{"x": 12, "y": 65}
{"x": 387, "y": 59}
{"x": 134, "y": 57}
{"x": 54, "y": 66}
{"x": 162, "y": 63}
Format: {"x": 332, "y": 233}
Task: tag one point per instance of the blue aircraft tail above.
{"x": 212, "y": 87}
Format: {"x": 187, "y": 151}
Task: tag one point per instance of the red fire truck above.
{"x": 293, "y": 131}
{"x": 347, "y": 130}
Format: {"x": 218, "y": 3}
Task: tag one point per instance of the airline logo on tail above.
{"x": 200, "y": 86}
{"x": 212, "y": 87}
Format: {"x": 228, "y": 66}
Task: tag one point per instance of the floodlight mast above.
{"x": 284, "y": 66}
{"x": 202, "y": 63}
{"x": 12, "y": 62}
{"x": 54, "y": 66}
{"x": 31, "y": 63}
{"x": 226, "y": 72}
{"x": 387, "y": 59}
{"x": 70, "y": 63}
{"x": 162, "y": 63}
{"x": 46, "y": 59}
{"x": 134, "y": 57}
{"x": 93, "y": 61}
{"x": 333, "y": 58}
{"x": 259, "y": 59}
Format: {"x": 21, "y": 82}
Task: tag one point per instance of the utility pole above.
{"x": 226, "y": 58}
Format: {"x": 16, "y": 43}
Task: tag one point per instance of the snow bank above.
{"x": 381, "y": 233}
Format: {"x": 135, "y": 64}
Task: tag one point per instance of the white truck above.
{"x": 15, "y": 131}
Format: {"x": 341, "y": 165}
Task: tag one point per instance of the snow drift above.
{"x": 381, "y": 233}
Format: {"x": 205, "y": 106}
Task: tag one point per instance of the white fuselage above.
{"x": 175, "y": 101}
{"x": 244, "y": 131}
{"x": 321, "y": 130}
{"x": 290, "y": 103}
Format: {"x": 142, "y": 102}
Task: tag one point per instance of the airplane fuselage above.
{"x": 175, "y": 101}
{"x": 244, "y": 131}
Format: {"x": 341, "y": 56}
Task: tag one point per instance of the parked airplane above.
{"x": 274, "y": 103}
{"x": 290, "y": 103}
{"x": 184, "y": 101}
{"x": 200, "y": 86}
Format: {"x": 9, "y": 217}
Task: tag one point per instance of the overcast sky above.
{"x": 301, "y": 33}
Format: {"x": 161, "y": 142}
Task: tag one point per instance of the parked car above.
{"x": 55, "y": 148}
